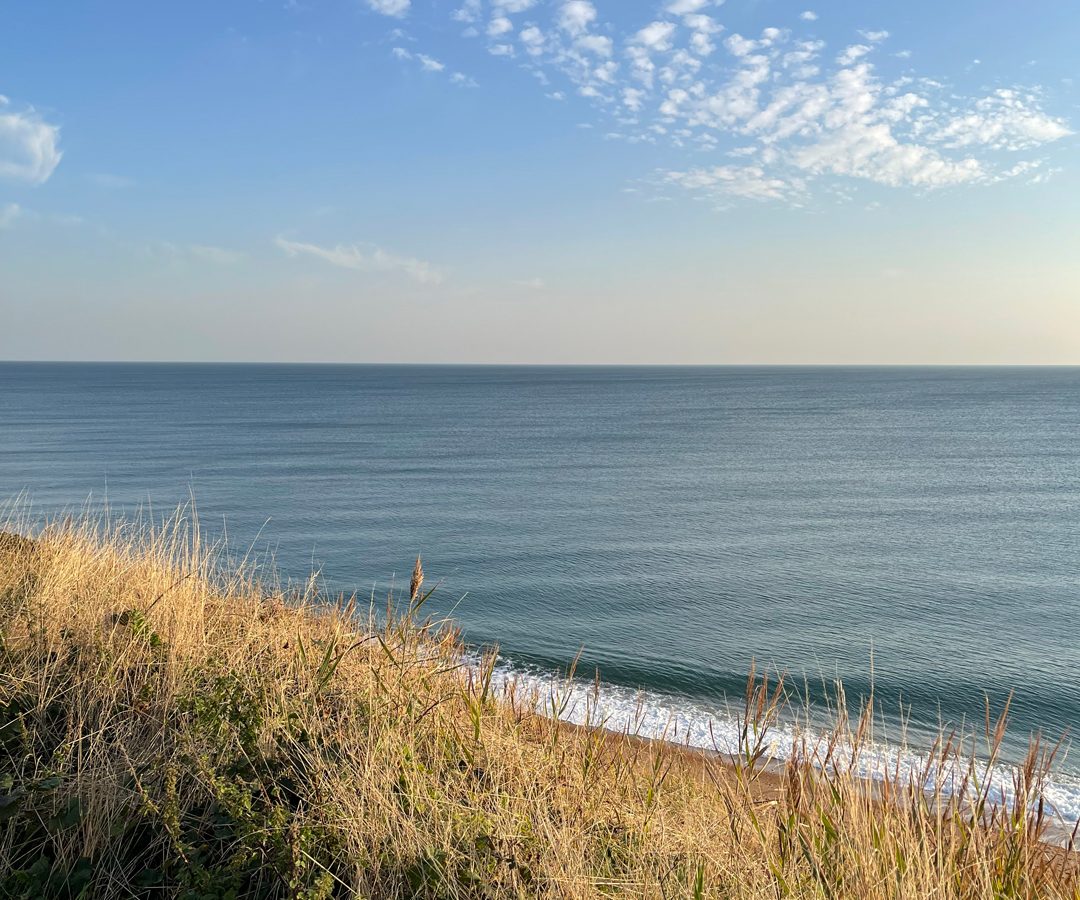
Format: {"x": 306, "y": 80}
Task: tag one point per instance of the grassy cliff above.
{"x": 168, "y": 729}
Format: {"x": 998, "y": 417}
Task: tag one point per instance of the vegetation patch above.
{"x": 169, "y": 728}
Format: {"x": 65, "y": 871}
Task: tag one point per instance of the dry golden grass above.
{"x": 170, "y": 729}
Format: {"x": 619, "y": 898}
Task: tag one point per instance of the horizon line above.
{"x": 543, "y": 365}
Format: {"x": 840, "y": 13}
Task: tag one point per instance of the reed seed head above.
{"x": 417, "y": 580}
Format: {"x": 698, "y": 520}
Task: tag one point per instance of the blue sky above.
{"x": 533, "y": 181}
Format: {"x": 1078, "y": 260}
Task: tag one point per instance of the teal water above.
{"x": 671, "y": 524}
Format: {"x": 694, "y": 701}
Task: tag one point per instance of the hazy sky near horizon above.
{"x": 682, "y": 181}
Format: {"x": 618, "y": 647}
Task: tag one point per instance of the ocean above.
{"x": 910, "y": 529}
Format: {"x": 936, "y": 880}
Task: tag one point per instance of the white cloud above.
{"x": 9, "y": 212}
{"x": 398, "y": 9}
{"x": 513, "y": 6}
{"x": 852, "y": 126}
{"x": 575, "y": 16}
{"x": 641, "y": 64}
{"x": 595, "y": 43}
{"x": 703, "y": 28}
{"x": 701, "y": 44}
{"x": 535, "y": 284}
{"x": 703, "y": 23}
{"x": 795, "y": 118}
{"x": 739, "y": 46}
{"x": 656, "y": 36}
{"x": 533, "y": 39}
{"x": 858, "y": 139}
{"x": 1006, "y": 120}
{"x": 364, "y": 258}
{"x": 685, "y": 7}
{"x": 725, "y": 182}
{"x": 469, "y": 11}
{"x": 852, "y": 54}
{"x": 499, "y": 25}
{"x": 429, "y": 64}
{"x": 28, "y": 146}
{"x": 872, "y": 152}
{"x": 632, "y": 98}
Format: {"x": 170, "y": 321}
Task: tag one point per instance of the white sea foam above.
{"x": 689, "y": 723}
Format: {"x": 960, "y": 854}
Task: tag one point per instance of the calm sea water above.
{"x": 671, "y": 524}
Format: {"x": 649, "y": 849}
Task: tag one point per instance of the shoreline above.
{"x": 872, "y": 762}
{"x": 769, "y": 772}
{"x": 767, "y": 786}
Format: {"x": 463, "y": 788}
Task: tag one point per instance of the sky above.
{"x": 541, "y": 181}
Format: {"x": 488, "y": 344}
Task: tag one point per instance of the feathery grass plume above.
{"x": 162, "y": 735}
{"x": 417, "y": 580}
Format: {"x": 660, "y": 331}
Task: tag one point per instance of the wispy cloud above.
{"x": 430, "y": 64}
{"x": 723, "y": 183}
{"x": 28, "y": 145}
{"x": 365, "y": 258}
